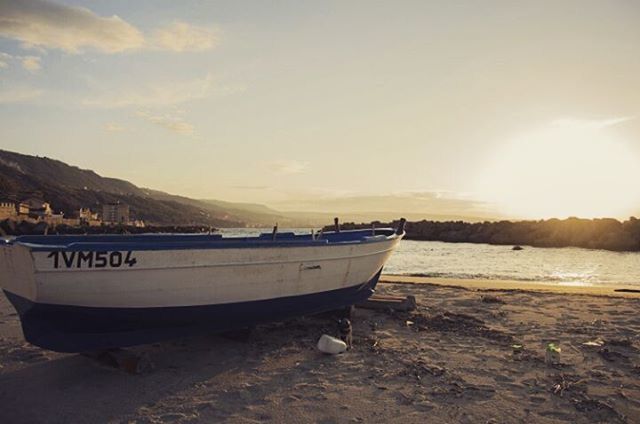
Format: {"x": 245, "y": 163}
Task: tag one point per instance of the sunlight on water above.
{"x": 574, "y": 284}
{"x": 563, "y": 266}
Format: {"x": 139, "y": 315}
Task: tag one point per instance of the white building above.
{"x": 7, "y": 209}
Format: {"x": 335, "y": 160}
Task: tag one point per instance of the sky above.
{"x": 517, "y": 109}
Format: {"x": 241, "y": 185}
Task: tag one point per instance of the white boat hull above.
{"x": 74, "y": 300}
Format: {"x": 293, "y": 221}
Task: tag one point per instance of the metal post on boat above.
{"x": 336, "y": 224}
{"x": 400, "y": 229}
{"x": 275, "y": 232}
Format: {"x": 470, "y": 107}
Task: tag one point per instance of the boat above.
{"x": 84, "y": 293}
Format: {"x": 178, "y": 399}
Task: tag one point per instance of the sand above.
{"x": 538, "y": 286}
{"x": 452, "y": 360}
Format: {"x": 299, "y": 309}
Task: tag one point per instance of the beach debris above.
{"x": 386, "y": 302}
{"x": 346, "y": 331}
{"x": 373, "y": 344}
{"x": 627, "y": 290}
{"x": 420, "y": 368}
{"x": 564, "y": 383}
{"x": 488, "y": 298}
{"x": 517, "y": 247}
{"x": 594, "y": 343}
{"x": 331, "y": 345}
{"x": 551, "y": 347}
{"x": 517, "y": 348}
{"x": 552, "y": 354}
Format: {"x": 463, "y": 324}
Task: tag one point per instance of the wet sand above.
{"x": 452, "y": 360}
{"x": 485, "y": 284}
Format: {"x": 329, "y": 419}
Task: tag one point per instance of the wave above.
{"x": 498, "y": 277}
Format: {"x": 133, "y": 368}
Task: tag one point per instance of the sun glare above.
{"x": 569, "y": 168}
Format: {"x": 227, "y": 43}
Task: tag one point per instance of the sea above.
{"x": 568, "y": 266}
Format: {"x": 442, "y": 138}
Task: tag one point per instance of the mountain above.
{"x": 414, "y": 206}
{"x": 69, "y": 188}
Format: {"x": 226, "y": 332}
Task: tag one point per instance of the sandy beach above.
{"x": 545, "y": 287}
{"x": 451, "y": 360}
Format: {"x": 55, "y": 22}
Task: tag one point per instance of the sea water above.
{"x": 565, "y": 266}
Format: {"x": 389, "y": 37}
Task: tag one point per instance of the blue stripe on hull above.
{"x": 82, "y": 329}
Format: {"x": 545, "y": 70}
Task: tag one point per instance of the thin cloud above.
{"x": 591, "y": 123}
{"x": 46, "y": 24}
{"x": 18, "y": 94}
{"x": 182, "y": 37}
{"x": 175, "y": 124}
{"x": 153, "y": 95}
{"x": 251, "y": 187}
{"x": 31, "y": 64}
{"x": 289, "y": 167}
{"x": 113, "y": 127}
{"x": 4, "y": 60}
{"x": 43, "y": 24}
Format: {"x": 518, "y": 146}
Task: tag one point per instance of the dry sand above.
{"x": 452, "y": 360}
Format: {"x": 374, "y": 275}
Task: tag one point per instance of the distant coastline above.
{"x": 600, "y": 233}
{"x": 12, "y": 228}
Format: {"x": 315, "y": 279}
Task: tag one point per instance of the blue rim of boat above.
{"x": 195, "y": 241}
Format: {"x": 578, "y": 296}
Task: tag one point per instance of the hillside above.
{"x": 69, "y": 188}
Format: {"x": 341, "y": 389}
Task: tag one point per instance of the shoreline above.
{"x": 513, "y": 285}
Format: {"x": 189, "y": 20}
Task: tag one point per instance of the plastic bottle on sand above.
{"x": 331, "y": 345}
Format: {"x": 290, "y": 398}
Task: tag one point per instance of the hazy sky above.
{"x": 532, "y": 106}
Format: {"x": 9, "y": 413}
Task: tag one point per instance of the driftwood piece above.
{"x": 122, "y": 359}
{"x": 396, "y": 303}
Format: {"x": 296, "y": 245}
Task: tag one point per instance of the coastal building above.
{"x": 115, "y": 213}
{"x": 38, "y": 209}
{"x": 23, "y": 209}
{"x": 7, "y": 209}
{"x": 86, "y": 217}
{"x": 72, "y": 222}
{"x": 54, "y": 218}
{"x": 38, "y": 205}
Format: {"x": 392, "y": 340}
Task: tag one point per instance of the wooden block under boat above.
{"x": 124, "y": 360}
{"x": 396, "y": 303}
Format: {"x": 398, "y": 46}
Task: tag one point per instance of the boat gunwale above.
{"x": 353, "y": 237}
